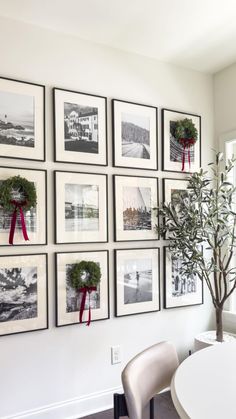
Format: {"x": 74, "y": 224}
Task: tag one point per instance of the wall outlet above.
{"x": 115, "y": 355}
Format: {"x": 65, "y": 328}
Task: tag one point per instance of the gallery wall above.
{"x": 67, "y": 372}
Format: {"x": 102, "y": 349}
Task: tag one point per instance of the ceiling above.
{"x": 197, "y": 34}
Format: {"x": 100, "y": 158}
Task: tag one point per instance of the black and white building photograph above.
{"x": 137, "y": 208}
{"x": 23, "y": 293}
{"x": 135, "y": 200}
{"x": 134, "y": 135}
{"x": 22, "y": 120}
{"x": 80, "y": 127}
{"x": 81, "y": 207}
{"x": 35, "y": 218}
{"x": 137, "y": 280}
{"x": 172, "y": 150}
{"x": 69, "y": 299}
{"x": 73, "y": 297}
{"x": 180, "y": 289}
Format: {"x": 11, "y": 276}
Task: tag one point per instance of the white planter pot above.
{"x": 209, "y": 338}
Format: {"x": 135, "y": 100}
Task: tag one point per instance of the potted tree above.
{"x": 201, "y": 228}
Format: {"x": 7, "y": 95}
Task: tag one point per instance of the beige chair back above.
{"x": 147, "y": 374}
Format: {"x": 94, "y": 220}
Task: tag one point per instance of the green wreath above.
{"x": 92, "y": 271}
{"x": 26, "y": 188}
{"x": 185, "y": 132}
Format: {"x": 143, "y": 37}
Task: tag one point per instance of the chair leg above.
{"x": 120, "y": 407}
{"x": 152, "y": 408}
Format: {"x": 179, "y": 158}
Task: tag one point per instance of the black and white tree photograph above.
{"x": 180, "y": 289}
{"x": 137, "y": 281}
{"x": 81, "y": 128}
{"x": 134, "y": 135}
{"x": 81, "y": 207}
{"x": 137, "y": 208}
{"x": 23, "y": 293}
{"x": 18, "y": 293}
{"x": 73, "y": 297}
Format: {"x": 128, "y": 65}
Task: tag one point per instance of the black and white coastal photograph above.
{"x": 68, "y": 300}
{"x": 173, "y": 151}
{"x": 18, "y": 293}
{"x": 135, "y": 200}
{"x": 135, "y": 135}
{"x": 80, "y": 127}
{"x": 17, "y": 119}
{"x": 23, "y": 293}
{"x": 22, "y": 120}
{"x": 137, "y": 280}
{"x": 73, "y": 297}
{"x": 81, "y": 207}
{"x": 180, "y": 289}
{"x": 135, "y": 132}
{"x": 137, "y": 208}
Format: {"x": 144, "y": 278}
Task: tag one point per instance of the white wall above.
{"x": 48, "y": 368}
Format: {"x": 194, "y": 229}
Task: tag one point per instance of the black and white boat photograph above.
{"x": 137, "y": 208}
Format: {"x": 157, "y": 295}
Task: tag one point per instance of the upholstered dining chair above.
{"x": 144, "y": 376}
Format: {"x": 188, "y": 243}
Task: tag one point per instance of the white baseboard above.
{"x": 73, "y": 408}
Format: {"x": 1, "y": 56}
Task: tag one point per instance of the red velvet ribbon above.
{"x": 186, "y": 143}
{"x": 18, "y": 206}
{"x": 84, "y": 291}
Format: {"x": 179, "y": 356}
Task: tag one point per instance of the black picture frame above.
{"x": 139, "y": 237}
{"x": 140, "y": 305}
{"x": 21, "y": 171}
{"x": 166, "y": 305}
{"x": 31, "y": 255}
{"x": 82, "y": 160}
{"x": 106, "y": 226}
{"x": 116, "y": 141}
{"x": 107, "y": 291}
{"x": 10, "y": 154}
{"x": 167, "y": 164}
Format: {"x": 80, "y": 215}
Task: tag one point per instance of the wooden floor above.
{"x": 164, "y": 409}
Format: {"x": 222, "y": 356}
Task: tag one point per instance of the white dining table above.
{"x": 204, "y": 385}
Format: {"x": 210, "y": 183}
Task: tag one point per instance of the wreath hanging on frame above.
{"x": 17, "y": 195}
{"x": 85, "y": 277}
{"x": 186, "y": 134}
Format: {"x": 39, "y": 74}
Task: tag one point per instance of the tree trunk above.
{"x": 219, "y": 325}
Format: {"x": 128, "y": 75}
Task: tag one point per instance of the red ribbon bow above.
{"x": 18, "y": 206}
{"x": 186, "y": 143}
{"x": 84, "y": 290}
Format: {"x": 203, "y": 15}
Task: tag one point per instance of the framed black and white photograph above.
{"x": 180, "y": 289}
{"x": 134, "y": 135}
{"x": 22, "y": 120}
{"x": 172, "y": 190}
{"x": 23, "y": 293}
{"x": 180, "y": 154}
{"x": 137, "y": 281}
{"x": 69, "y": 301}
{"x": 135, "y": 200}
{"x": 81, "y": 207}
{"x": 35, "y": 218}
{"x": 80, "y": 127}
